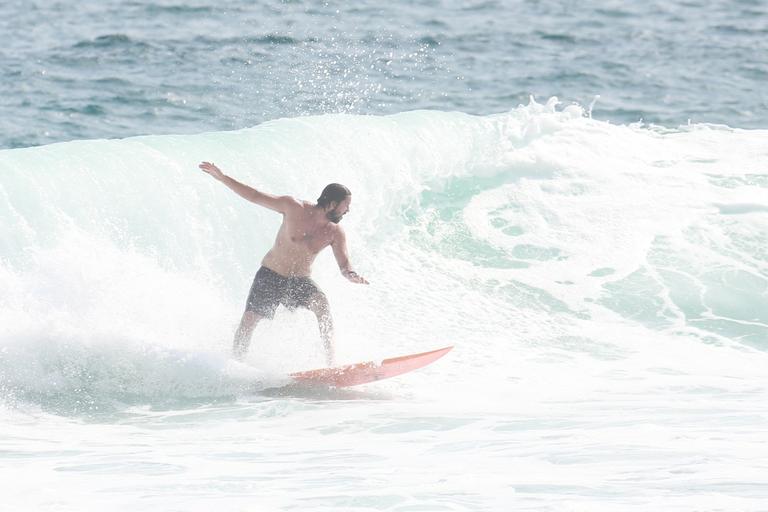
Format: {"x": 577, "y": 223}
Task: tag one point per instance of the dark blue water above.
{"x": 117, "y": 68}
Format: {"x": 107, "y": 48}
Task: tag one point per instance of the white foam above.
{"x": 604, "y": 287}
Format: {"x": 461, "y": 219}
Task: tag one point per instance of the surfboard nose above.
{"x": 370, "y": 371}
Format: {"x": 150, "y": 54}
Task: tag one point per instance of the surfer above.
{"x": 284, "y": 276}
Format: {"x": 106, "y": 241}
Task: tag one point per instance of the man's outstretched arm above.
{"x": 277, "y": 203}
{"x": 339, "y": 245}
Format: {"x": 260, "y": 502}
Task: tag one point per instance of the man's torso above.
{"x": 303, "y": 234}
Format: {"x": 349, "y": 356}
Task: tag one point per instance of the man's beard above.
{"x": 333, "y": 216}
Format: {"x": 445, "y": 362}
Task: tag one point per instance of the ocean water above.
{"x": 116, "y": 68}
{"x": 599, "y": 261}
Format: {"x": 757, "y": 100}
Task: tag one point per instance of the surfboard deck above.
{"x": 370, "y": 371}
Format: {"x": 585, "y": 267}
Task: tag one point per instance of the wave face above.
{"x": 124, "y": 268}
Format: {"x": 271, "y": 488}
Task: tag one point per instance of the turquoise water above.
{"x": 604, "y": 280}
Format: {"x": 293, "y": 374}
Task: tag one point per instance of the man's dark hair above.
{"x": 333, "y": 192}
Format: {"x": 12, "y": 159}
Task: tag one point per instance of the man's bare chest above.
{"x": 308, "y": 237}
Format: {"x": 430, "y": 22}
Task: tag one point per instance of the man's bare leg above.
{"x": 243, "y": 334}
{"x": 320, "y": 307}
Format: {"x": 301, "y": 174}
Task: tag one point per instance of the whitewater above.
{"x": 605, "y": 287}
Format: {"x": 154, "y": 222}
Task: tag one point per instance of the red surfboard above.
{"x": 362, "y": 373}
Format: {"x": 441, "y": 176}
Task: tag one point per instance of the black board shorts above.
{"x": 270, "y": 289}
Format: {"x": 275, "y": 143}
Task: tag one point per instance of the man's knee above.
{"x": 250, "y": 318}
{"x": 319, "y": 305}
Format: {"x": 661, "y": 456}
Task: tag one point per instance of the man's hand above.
{"x": 212, "y": 170}
{"x": 354, "y": 277}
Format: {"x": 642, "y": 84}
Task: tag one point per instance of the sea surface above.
{"x": 572, "y": 194}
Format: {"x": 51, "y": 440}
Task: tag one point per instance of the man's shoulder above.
{"x": 303, "y": 203}
{"x": 292, "y": 203}
{"x": 337, "y": 233}
{"x": 297, "y": 208}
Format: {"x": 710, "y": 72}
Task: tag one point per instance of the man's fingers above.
{"x": 356, "y": 278}
{"x": 209, "y": 167}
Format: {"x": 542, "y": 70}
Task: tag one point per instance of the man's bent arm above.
{"x": 339, "y": 246}
{"x": 277, "y": 203}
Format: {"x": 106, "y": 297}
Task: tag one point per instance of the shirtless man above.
{"x": 284, "y": 276}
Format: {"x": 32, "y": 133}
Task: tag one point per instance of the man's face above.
{"x": 339, "y": 211}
